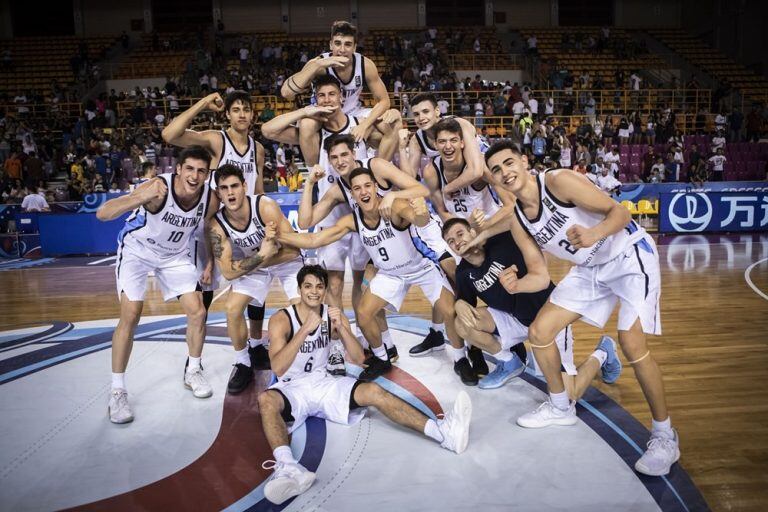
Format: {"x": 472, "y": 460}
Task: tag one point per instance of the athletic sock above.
{"x": 118, "y": 380}
{"x": 503, "y": 355}
{"x": 380, "y": 352}
{"x": 560, "y": 400}
{"x": 255, "y": 342}
{"x": 601, "y": 355}
{"x": 194, "y": 363}
{"x": 242, "y": 357}
{"x": 386, "y": 338}
{"x": 457, "y": 353}
{"x": 432, "y": 430}
{"x": 663, "y": 427}
{"x": 284, "y": 454}
{"x": 438, "y": 327}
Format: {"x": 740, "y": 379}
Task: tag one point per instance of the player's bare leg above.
{"x": 122, "y": 343}
{"x": 192, "y": 304}
{"x": 369, "y": 307}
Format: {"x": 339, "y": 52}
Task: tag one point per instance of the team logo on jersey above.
{"x": 331, "y": 179}
{"x": 200, "y": 208}
{"x": 549, "y": 204}
{"x": 151, "y": 241}
{"x": 358, "y": 81}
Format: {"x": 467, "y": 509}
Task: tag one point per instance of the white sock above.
{"x": 601, "y": 355}
{"x": 118, "y": 380}
{"x": 284, "y": 454}
{"x": 242, "y": 357}
{"x": 432, "y": 430}
{"x": 380, "y": 352}
{"x": 386, "y": 338}
{"x": 457, "y": 353}
{"x": 560, "y": 400}
{"x": 438, "y": 327}
{"x": 503, "y": 355}
{"x": 664, "y": 427}
{"x": 255, "y": 342}
{"x": 194, "y": 363}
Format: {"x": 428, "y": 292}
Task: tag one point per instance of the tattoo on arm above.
{"x": 247, "y": 264}
{"x": 216, "y": 242}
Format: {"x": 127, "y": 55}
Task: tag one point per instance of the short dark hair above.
{"x": 454, "y": 221}
{"x": 343, "y": 28}
{"x": 510, "y": 144}
{"x": 234, "y": 96}
{"x": 312, "y": 270}
{"x": 339, "y": 138}
{"x": 326, "y": 80}
{"x": 196, "y": 152}
{"x": 146, "y": 166}
{"x": 448, "y": 125}
{"x": 424, "y": 96}
{"x": 227, "y": 170}
{"x": 359, "y": 171}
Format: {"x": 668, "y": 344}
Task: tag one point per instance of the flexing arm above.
{"x": 575, "y": 188}
{"x": 150, "y": 194}
{"x": 322, "y": 238}
{"x": 221, "y": 249}
{"x": 176, "y": 132}
{"x": 413, "y": 212}
{"x": 310, "y": 214}
{"x": 408, "y": 187}
{"x": 537, "y": 278}
{"x": 274, "y": 218}
{"x": 380, "y": 96}
{"x": 282, "y": 351}
{"x": 259, "y": 169}
{"x": 340, "y": 324}
{"x": 435, "y": 194}
{"x": 410, "y": 161}
{"x": 472, "y": 156}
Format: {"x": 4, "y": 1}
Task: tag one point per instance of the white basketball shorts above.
{"x": 393, "y": 288}
{"x": 176, "y": 274}
{"x": 256, "y": 284}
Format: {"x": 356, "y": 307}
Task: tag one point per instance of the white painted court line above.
{"x": 110, "y": 258}
{"x": 748, "y": 279}
{"x": 220, "y": 294}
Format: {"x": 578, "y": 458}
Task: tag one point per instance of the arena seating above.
{"x": 147, "y": 61}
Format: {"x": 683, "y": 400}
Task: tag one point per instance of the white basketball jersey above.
{"x": 463, "y": 202}
{"x": 427, "y": 149}
{"x": 555, "y": 218}
{"x": 248, "y": 241}
{"x": 313, "y": 353}
{"x": 391, "y": 249}
{"x": 246, "y": 162}
{"x": 168, "y": 232}
{"x": 346, "y": 190}
{"x": 352, "y": 89}
{"x": 331, "y": 176}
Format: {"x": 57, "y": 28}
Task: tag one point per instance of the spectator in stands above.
{"x": 581, "y": 167}
{"x": 649, "y": 159}
{"x": 539, "y": 146}
{"x": 35, "y": 202}
{"x": 597, "y": 168}
{"x": 718, "y": 141}
{"x": 624, "y": 130}
{"x": 532, "y": 44}
{"x": 13, "y": 166}
{"x": 717, "y": 162}
{"x": 33, "y": 169}
{"x": 720, "y": 122}
{"x": 671, "y": 168}
{"x": 612, "y": 160}
{"x": 280, "y": 160}
{"x": 608, "y": 183}
{"x": 98, "y": 184}
{"x": 735, "y": 122}
{"x": 566, "y": 156}
{"x": 650, "y": 129}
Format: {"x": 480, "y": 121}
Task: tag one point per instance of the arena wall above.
{"x": 101, "y": 17}
{"x": 311, "y": 16}
{"x": 390, "y": 14}
{"x": 245, "y": 16}
{"x": 641, "y": 13}
{"x": 525, "y": 13}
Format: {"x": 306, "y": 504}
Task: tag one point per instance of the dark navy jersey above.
{"x": 482, "y": 282}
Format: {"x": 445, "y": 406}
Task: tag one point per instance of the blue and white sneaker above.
{"x": 611, "y": 369}
{"x": 503, "y": 373}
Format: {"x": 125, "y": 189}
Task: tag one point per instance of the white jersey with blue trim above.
{"x": 353, "y": 88}
{"x": 391, "y": 249}
{"x": 245, "y": 242}
{"x": 246, "y": 162}
{"x": 555, "y": 218}
{"x": 464, "y": 201}
{"x": 331, "y": 176}
{"x": 346, "y": 189}
{"x": 314, "y": 351}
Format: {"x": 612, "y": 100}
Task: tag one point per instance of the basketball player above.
{"x": 354, "y": 72}
{"x": 301, "y": 337}
{"x": 148, "y": 171}
{"x": 234, "y": 146}
{"x": 246, "y": 255}
{"x": 614, "y": 261}
{"x": 156, "y": 238}
{"x": 400, "y": 265}
{"x": 486, "y": 272}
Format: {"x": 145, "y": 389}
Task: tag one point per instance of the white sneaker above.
{"x": 455, "y": 425}
{"x": 289, "y": 480}
{"x": 195, "y": 380}
{"x": 547, "y": 414}
{"x": 119, "y": 409}
{"x": 662, "y": 452}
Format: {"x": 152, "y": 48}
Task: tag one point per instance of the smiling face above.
{"x": 450, "y": 145}
{"x": 231, "y": 192}
{"x": 312, "y": 291}
{"x": 364, "y": 193}
{"x": 343, "y": 46}
{"x": 240, "y": 116}
{"x": 425, "y": 114}
{"x": 458, "y": 236}
{"x": 342, "y": 159}
{"x": 192, "y": 173}
{"x": 509, "y": 170}
{"x": 328, "y": 96}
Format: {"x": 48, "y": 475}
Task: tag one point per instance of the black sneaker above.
{"x": 479, "y": 365}
{"x": 259, "y": 357}
{"x": 374, "y": 367}
{"x": 433, "y": 341}
{"x": 392, "y": 354}
{"x": 240, "y": 378}
{"x": 464, "y": 370}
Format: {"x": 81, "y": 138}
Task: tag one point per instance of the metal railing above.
{"x": 481, "y": 61}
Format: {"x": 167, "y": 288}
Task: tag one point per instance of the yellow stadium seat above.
{"x": 645, "y": 207}
{"x": 629, "y": 205}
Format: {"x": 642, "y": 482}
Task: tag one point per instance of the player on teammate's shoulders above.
{"x": 500, "y": 273}
{"x": 400, "y": 265}
{"x": 301, "y": 338}
{"x": 353, "y": 71}
{"x": 615, "y": 261}
{"x": 247, "y": 255}
{"x": 157, "y": 238}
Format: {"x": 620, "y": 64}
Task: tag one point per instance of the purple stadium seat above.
{"x": 753, "y": 169}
